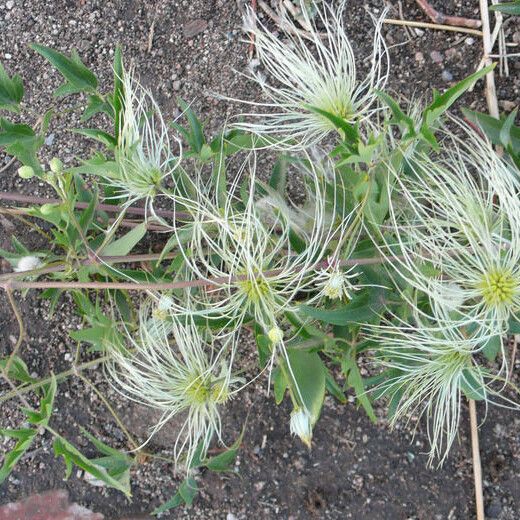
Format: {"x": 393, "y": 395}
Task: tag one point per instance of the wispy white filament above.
{"x": 312, "y": 71}
{"x": 173, "y": 369}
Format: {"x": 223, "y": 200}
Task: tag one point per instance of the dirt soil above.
{"x": 356, "y": 469}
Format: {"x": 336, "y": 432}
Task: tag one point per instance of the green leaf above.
{"x": 492, "y": 347}
{"x": 224, "y": 461}
{"x": 78, "y": 77}
{"x": 512, "y": 8}
{"x": 350, "y": 132}
{"x": 307, "y": 380}
{"x": 21, "y": 141}
{"x": 514, "y": 326}
{"x": 493, "y": 128}
{"x": 354, "y": 379}
{"x": 174, "y": 502}
{"x": 11, "y": 91}
{"x": 333, "y": 388}
{"x": 116, "y": 463}
{"x": 443, "y": 102}
{"x": 24, "y": 437}
{"x": 73, "y": 457}
{"x": 99, "y": 135}
{"x": 196, "y": 136}
{"x": 117, "y": 97}
{"x": 279, "y": 385}
{"x": 278, "y": 179}
{"x": 399, "y": 117}
{"x": 185, "y": 495}
{"x": 122, "y": 246}
{"x": 17, "y": 370}
{"x": 96, "y": 104}
{"x": 42, "y": 416}
{"x": 473, "y": 385}
{"x": 362, "y": 307}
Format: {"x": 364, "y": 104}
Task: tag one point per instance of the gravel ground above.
{"x": 356, "y": 469}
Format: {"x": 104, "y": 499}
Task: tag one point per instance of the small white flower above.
{"x": 335, "y": 282}
{"x": 28, "y": 263}
{"x": 312, "y": 71}
{"x": 301, "y": 425}
{"x": 275, "y": 335}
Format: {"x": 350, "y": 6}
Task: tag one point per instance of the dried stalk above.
{"x": 11, "y": 283}
{"x": 477, "y": 466}
{"x": 441, "y": 18}
{"x": 109, "y": 208}
{"x": 425, "y": 25}
{"x": 491, "y": 93}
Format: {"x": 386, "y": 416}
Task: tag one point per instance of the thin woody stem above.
{"x": 109, "y": 208}
{"x": 163, "y": 286}
{"x": 59, "y": 377}
{"x": 438, "y": 17}
{"x": 148, "y": 257}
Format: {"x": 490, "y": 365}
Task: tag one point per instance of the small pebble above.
{"x": 419, "y": 56}
{"x": 436, "y": 56}
{"x": 447, "y": 75}
{"x": 231, "y": 516}
{"x": 8, "y": 56}
{"x": 469, "y": 41}
{"x": 176, "y": 85}
{"x": 9, "y": 4}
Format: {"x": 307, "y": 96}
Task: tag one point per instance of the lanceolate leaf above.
{"x": 122, "y": 246}
{"x": 73, "y": 457}
{"x": 11, "y": 91}
{"x": 307, "y": 379}
{"x": 24, "y": 438}
{"x": 78, "y": 77}
{"x": 512, "y": 8}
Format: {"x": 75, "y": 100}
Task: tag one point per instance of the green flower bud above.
{"x": 47, "y": 209}
{"x": 56, "y": 165}
{"x": 26, "y": 172}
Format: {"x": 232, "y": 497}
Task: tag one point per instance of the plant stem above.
{"x": 477, "y": 466}
{"x": 147, "y": 257}
{"x": 109, "y": 208}
{"x": 134, "y": 445}
{"x": 491, "y": 93}
{"x": 438, "y": 17}
{"x": 11, "y": 283}
{"x": 21, "y": 330}
{"x": 62, "y": 375}
{"x": 426, "y": 25}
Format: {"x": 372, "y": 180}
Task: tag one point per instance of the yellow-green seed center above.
{"x": 198, "y": 390}
{"x": 498, "y": 287}
{"x": 254, "y": 290}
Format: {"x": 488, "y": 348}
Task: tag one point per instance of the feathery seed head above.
{"x": 179, "y": 376}
{"x": 499, "y": 287}
{"x": 313, "y": 72}
{"x": 275, "y": 335}
{"x": 461, "y": 217}
{"x": 143, "y": 155}
{"x": 433, "y": 365}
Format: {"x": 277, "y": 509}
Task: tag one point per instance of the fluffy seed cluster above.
{"x": 457, "y": 229}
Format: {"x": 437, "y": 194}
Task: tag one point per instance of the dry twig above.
{"x": 426, "y": 25}
{"x": 441, "y": 18}
{"x": 477, "y": 466}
